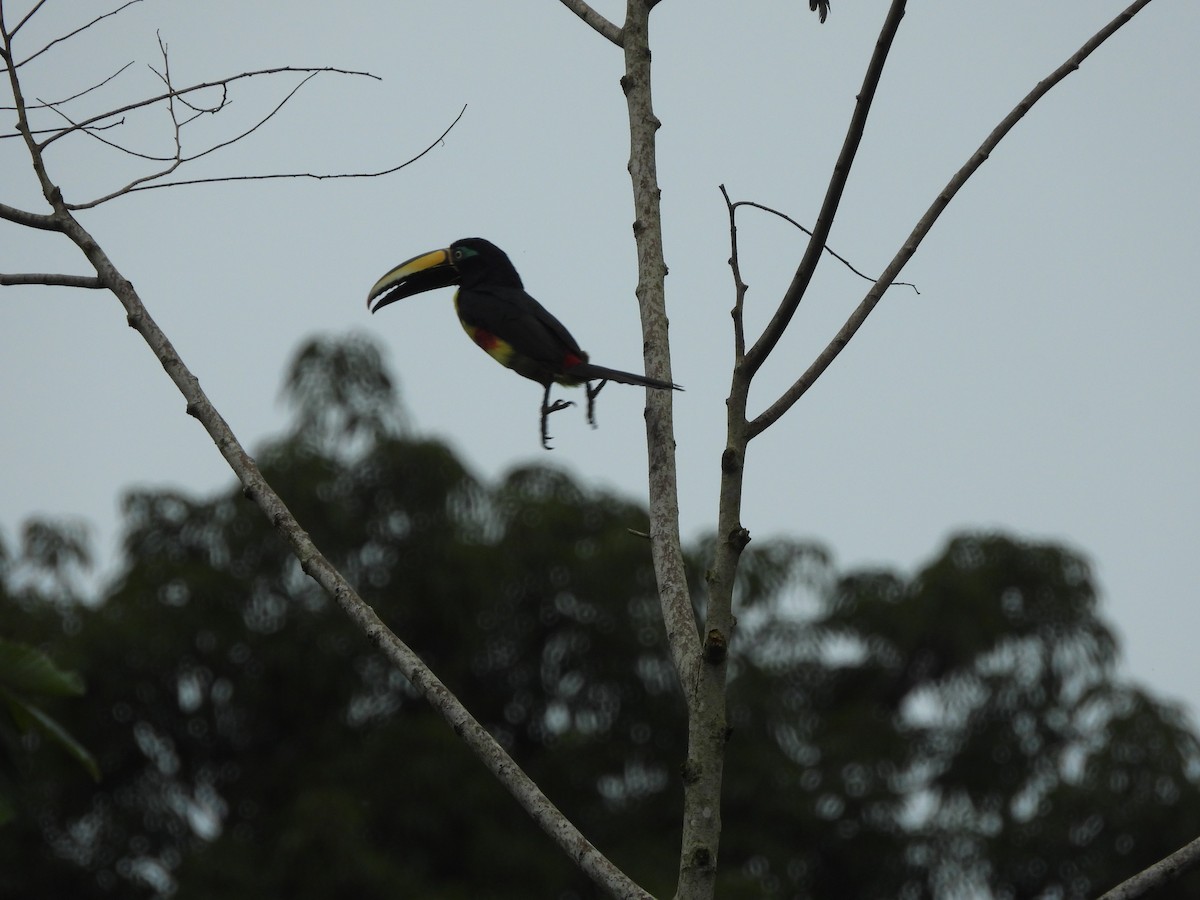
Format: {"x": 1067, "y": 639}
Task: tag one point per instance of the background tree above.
{"x": 253, "y": 745}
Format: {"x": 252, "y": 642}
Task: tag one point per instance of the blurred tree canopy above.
{"x": 961, "y": 731}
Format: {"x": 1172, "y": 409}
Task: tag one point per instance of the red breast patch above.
{"x": 485, "y": 339}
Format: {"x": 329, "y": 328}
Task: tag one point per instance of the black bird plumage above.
{"x": 504, "y": 320}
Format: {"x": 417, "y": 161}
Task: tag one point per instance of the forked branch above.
{"x": 833, "y": 195}
{"x": 922, "y": 228}
{"x": 191, "y": 89}
{"x": 61, "y": 38}
{"x": 603, "y": 26}
{"x": 733, "y": 206}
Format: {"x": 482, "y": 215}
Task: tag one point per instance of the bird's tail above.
{"x": 589, "y": 372}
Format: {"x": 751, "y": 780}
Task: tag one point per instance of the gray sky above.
{"x": 1043, "y": 382}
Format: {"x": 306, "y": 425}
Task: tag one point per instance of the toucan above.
{"x": 499, "y": 316}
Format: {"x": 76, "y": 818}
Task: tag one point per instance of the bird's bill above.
{"x": 426, "y": 272}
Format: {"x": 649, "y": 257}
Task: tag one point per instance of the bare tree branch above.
{"x": 606, "y": 28}
{"x": 845, "y": 262}
{"x": 174, "y": 162}
{"x": 40, "y": 221}
{"x": 179, "y": 92}
{"x": 1158, "y": 875}
{"x": 909, "y": 247}
{"x": 34, "y": 132}
{"x": 317, "y": 176}
{"x": 65, "y": 37}
{"x": 65, "y": 100}
{"x": 75, "y": 281}
{"x": 29, "y": 15}
{"x": 833, "y": 195}
{"x": 176, "y": 159}
{"x": 739, "y": 286}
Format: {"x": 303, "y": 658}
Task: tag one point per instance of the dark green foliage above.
{"x": 961, "y": 730}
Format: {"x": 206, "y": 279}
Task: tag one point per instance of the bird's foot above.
{"x": 548, "y": 408}
{"x": 592, "y": 394}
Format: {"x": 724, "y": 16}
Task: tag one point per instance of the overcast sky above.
{"x": 1043, "y": 382}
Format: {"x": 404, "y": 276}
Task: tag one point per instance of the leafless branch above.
{"x": 180, "y": 92}
{"x": 827, "y": 248}
{"x": 67, "y": 36}
{"x": 739, "y": 286}
{"x": 1158, "y": 875}
{"x": 199, "y": 111}
{"x": 833, "y": 194}
{"x": 34, "y": 132}
{"x": 317, "y": 176}
{"x": 29, "y": 15}
{"x": 75, "y": 281}
{"x": 93, "y": 131}
{"x": 43, "y": 105}
{"x": 28, "y": 219}
{"x": 922, "y": 228}
{"x": 603, "y": 26}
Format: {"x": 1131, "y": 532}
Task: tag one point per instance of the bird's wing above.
{"x": 519, "y": 320}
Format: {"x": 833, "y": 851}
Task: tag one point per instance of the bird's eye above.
{"x": 458, "y": 254}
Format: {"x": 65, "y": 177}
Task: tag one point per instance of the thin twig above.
{"x": 253, "y": 128}
{"x": 603, "y": 26}
{"x": 845, "y": 262}
{"x": 46, "y": 105}
{"x": 739, "y": 286}
{"x": 28, "y": 16}
{"x": 92, "y": 131}
{"x": 91, "y": 128}
{"x": 909, "y": 247}
{"x": 90, "y": 282}
{"x": 766, "y": 342}
{"x": 276, "y": 175}
{"x": 179, "y": 92}
{"x": 178, "y": 159}
{"x": 68, "y": 35}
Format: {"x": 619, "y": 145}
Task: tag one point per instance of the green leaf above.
{"x": 28, "y": 716}
{"x": 29, "y": 671}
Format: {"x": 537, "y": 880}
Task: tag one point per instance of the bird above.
{"x": 506, "y": 322}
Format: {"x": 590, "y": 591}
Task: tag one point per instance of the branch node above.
{"x": 731, "y": 461}
{"x": 193, "y": 410}
{"x": 738, "y": 538}
{"x": 716, "y": 647}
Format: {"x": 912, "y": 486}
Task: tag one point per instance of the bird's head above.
{"x": 468, "y": 262}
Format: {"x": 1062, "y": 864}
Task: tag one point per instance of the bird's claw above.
{"x": 592, "y": 394}
{"x": 548, "y": 408}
